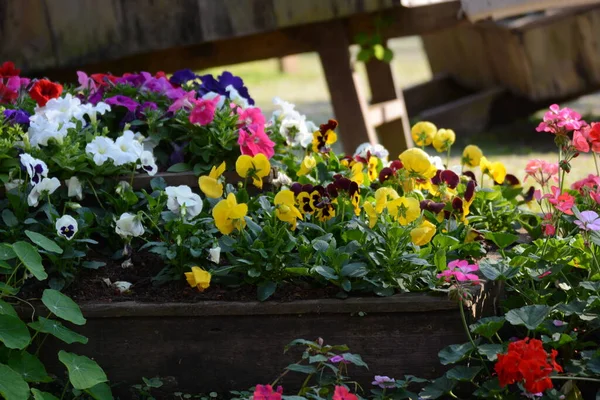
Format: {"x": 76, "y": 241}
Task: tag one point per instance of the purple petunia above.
{"x": 182, "y": 76}
{"x": 123, "y": 101}
{"x": 17, "y": 116}
{"x": 210, "y": 84}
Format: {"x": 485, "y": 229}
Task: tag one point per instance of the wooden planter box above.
{"x": 223, "y": 346}
{"x": 546, "y": 56}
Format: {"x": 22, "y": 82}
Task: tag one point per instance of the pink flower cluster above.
{"x": 541, "y": 171}
{"x": 560, "y": 120}
{"x": 591, "y": 185}
{"x": 587, "y": 138}
{"x": 461, "y": 271}
{"x": 561, "y": 201}
{"x": 253, "y": 139}
{"x": 266, "y": 392}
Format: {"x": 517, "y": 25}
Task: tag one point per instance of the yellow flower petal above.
{"x": 262, "y": 166}
{"x": 443, "y": 139}
{"x": 471, "y": 156}
{"x": 243, "y": 165}
{"x": 307, "y": 165}
{"x": 423, "y": 132}
{"x": 423, "y": 234}
{"x": 217, "y": 172}
{"x": 210, "y": 186}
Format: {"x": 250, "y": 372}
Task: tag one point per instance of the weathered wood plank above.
{"x": 477, "y": 9}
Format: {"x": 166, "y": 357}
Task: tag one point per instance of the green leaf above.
{"x": 6, "y": 252}
{"x": 379, "y": 51}
{"x": 29, "y": 366}
{"x": 530, "y": 316}
{"x": 100, "y": 391}
{"x": 305, "y": 369}
{"x": 32, "y": 260}
{"x": 454, "y": 353}
{"x": 462, "y": 373}
{"x": 355, "y": 359}
{"x": 7, "y": 309}
{"x": 84, "y": 373}
{"x": 497, "y": 270}
{"x": 439, "y": 259}
{"x": 43, "y": 242}
{"x": 490, "y": 350}
{"x": 501, "y": 239}
{"x": 93, "y": 264}
{"x": 487, "y": 326}
{"x": 437, "y": 388}
{"x": 9, "y": 218}
{"x": 355, "y": 270}
{"x": 58, "y": 330}
{"x": 62, "y": 306}
{"x": 179, "y": 167}
{"x": 39, "y": 395}
{"x": 265, "y": 290}
{"x": 326, "y": 272}
{"x": 13, "y": 332}
{"x": 12, "y": 386}
{"x": 364, "y": 55}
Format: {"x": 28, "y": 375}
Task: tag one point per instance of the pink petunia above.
{"x": 250, "y": 116}
{"x": 86, "y": 82}
{"x": 203, "y": 112}
{"x": 253, "y": 140}
{"x": 187, "y": 101}
{"x": 266, "y": 392}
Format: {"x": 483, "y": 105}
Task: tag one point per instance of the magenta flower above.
{"x": 253, "y": 140}
{"x": 558, "y": 120}
{"x": 187, "y": 102}
{"x": 588, "y": 221}
{"x": 384, "y": 382}
{"x": 266, "y": 392}
{"x": 203, "y": 112}
{"x": 580, "y": 142}
{"x": 250, "y": 116}
{"x": 558, "y": 323}
{"x": 461, "y": 271}
{"x": 86, "y": 82}
{"x": 123, "y": 101}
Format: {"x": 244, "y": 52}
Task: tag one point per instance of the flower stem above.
{"x": 464, "y": 321}
{"x": 574, "y": 378}
{"x": 596, "y": 163}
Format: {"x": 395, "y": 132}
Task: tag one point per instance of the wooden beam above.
{"x": 477, "y": 9}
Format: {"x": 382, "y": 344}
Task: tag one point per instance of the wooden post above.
{"x": 350, "y": 108}
{"x": 288, "y": 64}
{"x": 393, "y": 133}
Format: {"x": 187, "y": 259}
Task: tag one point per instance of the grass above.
{"x": 513, "y": 144}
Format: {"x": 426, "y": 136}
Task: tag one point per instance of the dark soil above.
{"x": 90, "y": 286}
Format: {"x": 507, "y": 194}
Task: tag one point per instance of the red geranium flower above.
{"x": 527, "y": 362}
{"x": 342, "y": 393}
{"x": 44, "y": 90}
{"x": 8, "y": 69}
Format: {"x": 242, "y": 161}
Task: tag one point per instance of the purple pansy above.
{"x": 588, "y": 221}
{"x": 123, "y": 101}
{"x": 17, "y": 116}
{"x": 210, "y": 84}
{"x": 182, "y": 76}
{"x": 136, "y": 80}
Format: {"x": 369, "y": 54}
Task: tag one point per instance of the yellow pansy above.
{"x": 443, "y": 139}
{"x": 417, "y": 163}
{"x": 324, "y": 137}
{"x": 371, "y": 213}
{"x": 372, "y": 169}
{"x": 404, "y": 209}
{"x": 198, "y": 278}
{"x": 496, "y": 170}
{"x": 285, "y": 207}
{"x": 357, "y": 173}
{"x": 423, "y": 233}
{"x": 471, "y": 155}
{"x": 256, "y": 167}
{"x": 423, "y": 133}
{"x": 307, "y": 165}
{"x": 382, "y": 196}
{"x": 211, "y": 185}
{"x": 229, "y": 215}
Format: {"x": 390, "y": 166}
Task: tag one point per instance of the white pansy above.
{"x": 46, "y": 186}
{"x": 127, "y": 149}
{"x": 74, "y": 188}
{"x": 129, "y": 225}
{"x": 437, "y": 162}
{"x": 281, "y": 179}
{"x": 148, "y": 163}
{"x": 66, "y": 226}
{"x": 215, "y": 254}
{"x": 376, "y": 150}
{"x": 101, "y": 149}
{"x": 14, "y": 183}
{"x": 182, "y": 197}
{"x": 36, "y": 169}
{"x": 212, "y": 95}
{"x": 237, "y": 98}
{"x": 293, "y": 129}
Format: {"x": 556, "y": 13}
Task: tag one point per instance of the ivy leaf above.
{"x": 62, "y": 306}
{"x": 43, "y": 242}
{"x": 29, "y": 366}
{"x": 305, "y": 369}
{"x": 265, "y": 290}
{"x": 84, "y": 373}
{"x": 462, "y": 373}
{"x": 100, "y": 391}
{"x": 12, "y": 386}
{"x": 13, "y": 332}
{"x": 487, "y": 326}
{"x": 7, "y": 309}
{"x": 454, "y": 353}
{"x": 30, "y": 257}
{"x": 58, "y": 330}
{"x": 530, "y": 316}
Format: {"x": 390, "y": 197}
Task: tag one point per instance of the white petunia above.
{"x": 91, "y": 110}
{"x": 46, "y": 186}
{"x": 101, "y": 149}
{"x": 61, "y": 109}
{"x": 129, "y": 225}
{"x": 237, "y": 98}
{"x": 287, "y": 109}
{"x": 148, "y": 163}
{"x": 293, "y": 129}
{"x": 127, "y": 149}
{"x": 41, "y": 130}
{"x": 212, "y": 95}
{"x": 66, "y": 226}
{"x": 36, "y": 169}
{"x": 182, "y": 197}
{"x": 74, "y": 188}
{"x": 215, "y": 254}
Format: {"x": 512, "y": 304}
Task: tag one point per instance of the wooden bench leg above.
{"x": 349, "y": 106}
{"x": 394, "y": 135}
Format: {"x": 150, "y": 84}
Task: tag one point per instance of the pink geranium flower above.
{"x": 203, "y": 112}
{"x": 342, "y": 393}
{"x": 558, "y": 120}
{"x": 561, "y": 201}
{"x": 588, "y": 221}
{"x": 253, "y": 140}
{"x": 541, "y": 171}
{"x": 266, "y": 392}
{"x": 461, "y": 271}
{"x": 591, "y": 181}
{"x": 580, "y": 142}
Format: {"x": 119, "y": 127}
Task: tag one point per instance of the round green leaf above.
{"x": 58, "y": 330}
{"x": 7, "y": 309}
{"x": 39, "y": 395}
{"x": 100, "y": 392}
{"x": 29, "y": 366}
{"x": 12, "y": 386}
{"x": 30, "y": 257}
{"x": 13, "y": 332}
{"x": 454, "y": 353}
{"x": 6, "y": 252}
{"x": 487, "y": 326}
{"x": 463, "y": 373}
{"x": 62, "y": 306}
{"x": 43, "y": 242}
{"x": 84, "y": 373}
{"x": 530, "y": 316}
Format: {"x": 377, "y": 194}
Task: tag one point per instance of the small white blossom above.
{"x": 36, "y": 169}
{"x": 74, "y": 188}
{"x": 46, "y": 186}
{"x": 376, "y": 150}
{"x": 41, "y": 130}
{"x": 127, "y": 149}
{"x": 122, "y": 286}
{"x": 14, "y": 183}
{"x": 215, "y": 254}
{"x": 183, "y": 197}
{"x": 129, "y": 225}
{"x": 101, "y": 149}
{"x": 66, "y": 226}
